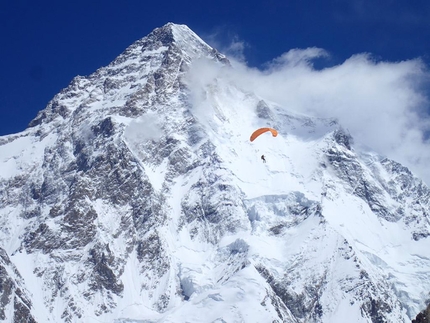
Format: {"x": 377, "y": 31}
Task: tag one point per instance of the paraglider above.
{"x": 260, "y": 131}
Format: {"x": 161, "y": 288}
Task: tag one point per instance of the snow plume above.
{"x": 147, "y": 127}
{"x": 382, "y": 104}
{"x": 236, "y": 49}
{"x": 232, "y": 46}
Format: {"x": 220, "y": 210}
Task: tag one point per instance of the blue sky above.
{"x": 44, "y": 44}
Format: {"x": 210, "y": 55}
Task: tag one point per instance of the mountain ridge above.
{"x": 136, "y": 196}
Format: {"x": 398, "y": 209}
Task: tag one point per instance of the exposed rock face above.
{"x": 134, "y": 197}
{"x": 13, "y": 296}
{"x": 423, "y": 317}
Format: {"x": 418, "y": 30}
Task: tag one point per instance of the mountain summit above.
{"x": 137, "y": 196}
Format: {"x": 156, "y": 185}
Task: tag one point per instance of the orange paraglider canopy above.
{"x": 258, "y": 132}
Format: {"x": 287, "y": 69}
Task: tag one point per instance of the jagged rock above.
{"x": 343, "y": 138}
{"x": 423, "y": 317}
{"x": 15, "y": 303}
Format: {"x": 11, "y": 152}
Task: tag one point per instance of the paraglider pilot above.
{"x": 263, "y": 158}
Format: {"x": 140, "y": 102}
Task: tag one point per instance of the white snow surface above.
{"x": 217, "y": 277}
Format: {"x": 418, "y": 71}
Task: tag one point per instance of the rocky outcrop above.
{"x": 15, "y": 303}
{"x": 423, "y": 317}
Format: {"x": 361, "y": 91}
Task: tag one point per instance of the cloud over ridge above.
{"x": 384, "y": 105}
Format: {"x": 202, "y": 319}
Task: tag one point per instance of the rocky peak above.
{"x": 151, "y": 64}
{"x": 169, "y": 38}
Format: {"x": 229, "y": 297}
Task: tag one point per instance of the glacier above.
{"x": 136, "y": 196}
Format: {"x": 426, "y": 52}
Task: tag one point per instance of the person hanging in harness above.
{"x": 263, "y": 158}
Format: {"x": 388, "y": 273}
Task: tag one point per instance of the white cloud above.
{"x": 382, "y": 104}
{"x": 296, "y": 57}
{"x": 145, "y": 128}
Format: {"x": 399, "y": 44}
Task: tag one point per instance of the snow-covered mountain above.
{"x": 136, "y": 196}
